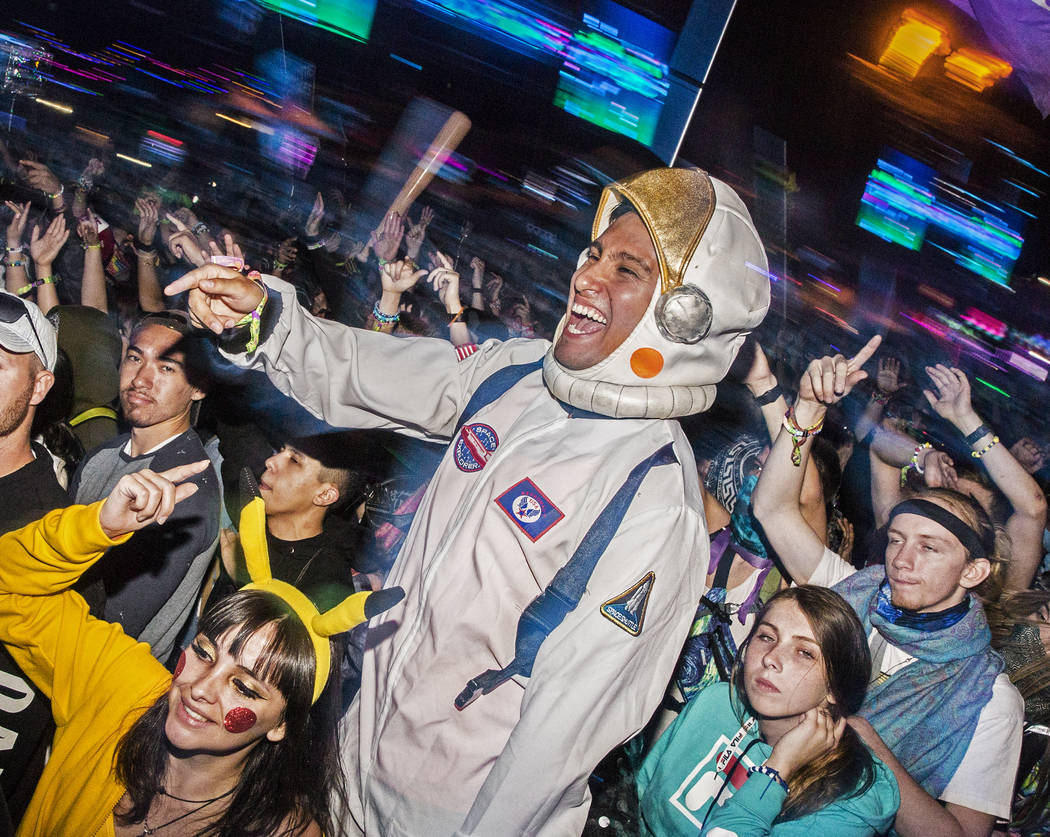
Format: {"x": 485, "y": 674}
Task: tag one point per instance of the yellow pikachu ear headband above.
{"x": 352, "y": 611}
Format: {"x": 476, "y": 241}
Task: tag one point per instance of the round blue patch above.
{"x": 474, "y": 445}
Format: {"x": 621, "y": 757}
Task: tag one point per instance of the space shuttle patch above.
{"x": 628, "y": 609}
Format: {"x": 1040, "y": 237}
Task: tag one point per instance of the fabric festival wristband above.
{"x": 46, "y": 280}
{"x": 253, "y": 319}
{"x": 973, "y": 438}
{"x": 769, "y": 396}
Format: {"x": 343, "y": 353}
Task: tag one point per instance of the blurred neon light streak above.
{"x": 992, "y": 386}
{"x": 135, "y": 160}
{"x": 55, "y": 105}
{"x": 234, "y": 121}
{"x": 411, "y": 64}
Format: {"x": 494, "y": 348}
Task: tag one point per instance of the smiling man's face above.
{"x": 610, "y": 293}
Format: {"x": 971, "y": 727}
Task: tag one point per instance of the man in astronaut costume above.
{"x": 659, "y": 306}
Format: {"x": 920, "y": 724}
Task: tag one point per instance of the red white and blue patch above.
{"x": 474, "y": 445}
{"x": 628, "y": 609}
{"x": 529, "y": 509}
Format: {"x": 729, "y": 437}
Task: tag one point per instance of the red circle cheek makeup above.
{"x": 239, "y": 719}
{"x": 180, "y": 665}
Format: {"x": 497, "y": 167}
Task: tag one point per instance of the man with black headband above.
{"x": 939, "y": 710}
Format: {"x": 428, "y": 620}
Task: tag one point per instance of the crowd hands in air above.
{"x": 833, "y": 446}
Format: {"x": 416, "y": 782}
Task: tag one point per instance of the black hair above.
{"x": 285, "y": 785}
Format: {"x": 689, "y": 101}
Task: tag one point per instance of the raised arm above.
{"x": 763, "y": 386}
{"x": 150, "y": 296}
{"x": 349, "y": 377}
{"x": 776, "y": 498}
{"x": 93, "y": 282}
{"x": 951, "y": 400}
{"x": 44, "y": 249}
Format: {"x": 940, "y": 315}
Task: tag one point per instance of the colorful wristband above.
{"x": 254, "y": 319}
{"x": 385, "y": 319}
{"x": 771, "y": 772}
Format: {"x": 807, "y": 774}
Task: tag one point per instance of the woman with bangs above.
{"x": 239, "y": 741}
{"x": 770, "y": 752}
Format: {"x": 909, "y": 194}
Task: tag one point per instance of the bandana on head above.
{"x": 713, "y": 290}
{"x": 731, "y": 466}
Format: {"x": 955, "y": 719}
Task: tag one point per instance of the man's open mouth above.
{"x": 585, "y": 320}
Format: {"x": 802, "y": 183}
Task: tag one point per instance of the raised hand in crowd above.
{"x": 1029, "y": 454}
{"x": 417, "y": 232}
{"x": 16, "y": 277}
{"x": 219, "y": 296}
{"x": 477, "y": 300}
{"x": 16, "y": 229}
{"x": 148, "y": 212}
{"x": 445, "y": 282}
{"x": 145, "y": 496}
{"x": 183, "y": 244}
{"x": 396, "y": 277}
{"x": 887, "y": 380}
{"x": 230, "y": 254}
{"x": 93, "y": 282}
{"x": 776, "y": 498}
{"x": 44, "y": 249}
{"x": 91, "y": 174}
{"x": 386, "y": 238}
{"x": 287, "y": 253}
{"x": 950, "y": 398}
{"x": 312, "y": 229}
{"x": 39, "y": 176}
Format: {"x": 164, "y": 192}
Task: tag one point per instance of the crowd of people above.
{"x": 306, "y": 536}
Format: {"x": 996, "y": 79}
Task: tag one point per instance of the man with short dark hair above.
{"x": 556, "y": 559}
{"x": 28, "y": 490}
{"x": 302, "y": 483}
{"x": 152, "y": 583}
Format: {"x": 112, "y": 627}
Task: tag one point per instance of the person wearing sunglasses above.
{"x": 28, "y": 490}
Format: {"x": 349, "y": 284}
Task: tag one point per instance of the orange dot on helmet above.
{"x": 646, "y": 362}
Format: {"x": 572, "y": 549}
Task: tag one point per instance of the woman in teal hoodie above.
{"x": 770, "y": 752}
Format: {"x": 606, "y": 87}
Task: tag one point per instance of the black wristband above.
{"x": 977, "y": 435}
{"x": 769, "y": 396}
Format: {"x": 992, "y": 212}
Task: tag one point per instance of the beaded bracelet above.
{"x": 18, "y": 248}
{"x": 385, "y": 319}
{"x": 254, "y": 319}
{"x": 16, "y": 263}
{"x": 280, "y": 266}
{"x": 200, "y": 228}
{"x": 85, "y": 183}
{"x": 915, "y": 457}
{"x": 798, "y": 434}
{"x": 977, "y": 454}
{"x": 61, "y": 190}
{"x": 771, "y": 772}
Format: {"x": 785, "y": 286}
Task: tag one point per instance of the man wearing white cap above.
{"x": 28, "y": 490}
{"x": 553, "y": 566}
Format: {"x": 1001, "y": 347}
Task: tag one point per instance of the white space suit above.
{"x": 519, "y": 486}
